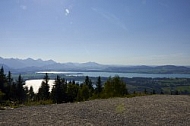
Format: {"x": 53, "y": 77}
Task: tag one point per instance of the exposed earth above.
{"x": 162, "y": 110}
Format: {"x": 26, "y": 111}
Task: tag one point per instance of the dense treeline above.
{"x": 13, "y": 91}
{"x": 62, "y": 91}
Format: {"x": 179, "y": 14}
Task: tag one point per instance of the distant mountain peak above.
{"x": 51, "y": 60}
{"x": 17, "y": 63}
{"x": 30, "y": 64}
{"x": 28, "y": 59}
{"x": 90, "y": 62}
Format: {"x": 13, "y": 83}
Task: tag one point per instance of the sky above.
{"x": 121, "y": 32}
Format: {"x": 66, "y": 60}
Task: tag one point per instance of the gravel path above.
{"x": 162, "y": 110}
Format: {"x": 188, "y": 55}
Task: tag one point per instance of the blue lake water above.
{"x": 130, "y": 75}
{"x": 36, "y": 83}
{"x": 108, "y": 74}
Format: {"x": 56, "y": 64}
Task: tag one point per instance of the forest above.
{"x": 13, "y": 93}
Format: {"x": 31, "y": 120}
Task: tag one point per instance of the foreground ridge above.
{"x": 144, "y": 110}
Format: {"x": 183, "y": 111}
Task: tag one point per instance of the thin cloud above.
{"x": 67, "y": 12}
{"x": 111, "y": 17}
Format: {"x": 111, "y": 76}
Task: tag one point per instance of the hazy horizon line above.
{"x": 91, "y": 62}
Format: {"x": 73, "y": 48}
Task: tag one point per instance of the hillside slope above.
{"x": 146, "y": 110}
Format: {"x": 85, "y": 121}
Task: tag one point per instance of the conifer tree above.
{"x": 88, "y": 83}
{"x": 2, "y": 79}
{"x": 20, "y": 93}
{"x": 176, "y": 92}
{"x": 9, "y": 78}
{"x": 43, "y": 92}
{"x": 79, "y": 94}
{"x": 85, "y": 92}
{"x": 145, "y": 91}
{"x": 161, "y": 92}
{"x": 13, "y": 92}
{"x": 98, "y": 88}
{"x": 31, "y": 93}
{"x": 64, "y": 90}
{"x": 9, "y": 84}
{"x": 57, "y": 92}
{"x": 72, "y": 91}
{"x": 153, "y": 91}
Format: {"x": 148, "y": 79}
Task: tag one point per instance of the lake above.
{"x": 36, "y": 83}
{"x": 108, "y": 74}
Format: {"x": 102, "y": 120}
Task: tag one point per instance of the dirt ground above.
{"x": 161, "y": 110}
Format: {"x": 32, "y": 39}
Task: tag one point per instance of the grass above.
{"x": 41, "y": 102}
{"x": 167, "y": 90}
{"x": 10, "y": 104}
{"x": 120, "y": 108}
{"x": 183, "y": 88}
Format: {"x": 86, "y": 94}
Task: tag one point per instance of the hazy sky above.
{"x": 128, "y": 32}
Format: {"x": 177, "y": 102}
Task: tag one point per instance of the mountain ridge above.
{"x": 31, "y": 65}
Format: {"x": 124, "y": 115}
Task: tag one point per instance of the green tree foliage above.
{"x": 64, "y": 90}
{"x": 9, "y": 84}
{"x": 5, "y": 84}
{"x": 1, "y": 96}
{"x": 176, "y": 92}
{"x": 43, "y": 92}
{"x": 98, "y": 88}
{"x": 20, "y": 92}
{"x": 61, "y": 91}
{"x": 88, "y": 83}
{"x": 13, "y": 90}
{"x": 153, "y": 91}
{"x": 2, "y": 80}
{"x": 161, "y": 92}
{"x": 72, "y": 91}
{"x": 31, "y": 94}
{"x": 145, "y": 91}
{"x": 79, "y": 94}
{"x": 58, "y": 93}
{"x": 85, "y": 92}
{"x": 9, "y": 78}
{"x": 115, "y": 87}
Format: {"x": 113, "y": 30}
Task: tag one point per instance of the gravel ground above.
{"x": 161, "y": 110}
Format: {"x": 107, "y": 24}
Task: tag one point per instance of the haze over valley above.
{"x": 30, "y": 65}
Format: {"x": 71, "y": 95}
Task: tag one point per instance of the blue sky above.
{"x": 127, "y": 32}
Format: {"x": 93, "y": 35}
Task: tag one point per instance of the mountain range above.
{"x": 30, "y": 65}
